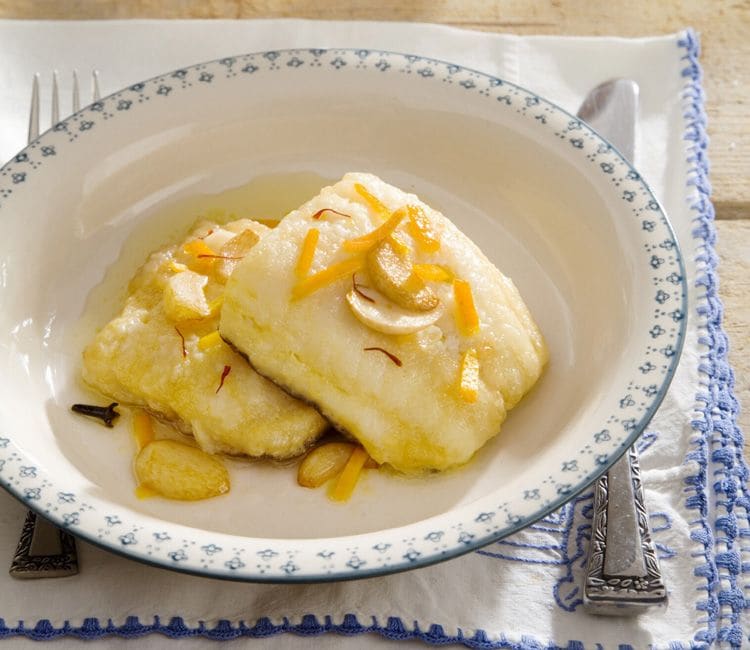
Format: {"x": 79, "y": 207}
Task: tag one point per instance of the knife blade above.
{"x": 623, "y": 574}
{"x": 612, "y": 109}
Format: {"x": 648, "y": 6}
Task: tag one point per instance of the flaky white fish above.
{"x": 421, "y": 400}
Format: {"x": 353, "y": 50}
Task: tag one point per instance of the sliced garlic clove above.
{"x": 178, "y": 471}
{"x": 382, "y": 315}
{"x": 323, "y": 463}
{"x": 232, "y": 252}
{"x": 218, "y": 237}
{"x": 394, "y": 276}
{"x": 184, "y": 298}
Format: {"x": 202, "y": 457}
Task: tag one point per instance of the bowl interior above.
{"x": 541, "y": 214}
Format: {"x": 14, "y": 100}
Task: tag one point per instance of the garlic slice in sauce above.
{"x": 382, "y": 315}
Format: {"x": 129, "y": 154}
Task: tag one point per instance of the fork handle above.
{"x": 623, "y": 575}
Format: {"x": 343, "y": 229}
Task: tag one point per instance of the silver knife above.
{"x": 622, "y": 574}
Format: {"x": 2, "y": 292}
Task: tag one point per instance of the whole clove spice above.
{"x": 106, "y": 414}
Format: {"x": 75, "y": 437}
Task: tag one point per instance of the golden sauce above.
{"x": 266, "y": 198}
{"x": 143, "y": 492}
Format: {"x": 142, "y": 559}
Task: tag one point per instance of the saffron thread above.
{"x": 356, "y": 287}
{"x": 224, "y": 373}
{"x": 182, "y": 339}
{"x": 390, "y": 355}
{"x": 320, "y": 213}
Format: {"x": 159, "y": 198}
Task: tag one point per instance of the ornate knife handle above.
{"x": 623, "y": 575}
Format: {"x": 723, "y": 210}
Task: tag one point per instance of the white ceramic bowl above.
{"x": 550, "y": 202}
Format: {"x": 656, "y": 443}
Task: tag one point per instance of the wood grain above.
{"x": 734, "y": 269}
{"x": 724, "y": 26}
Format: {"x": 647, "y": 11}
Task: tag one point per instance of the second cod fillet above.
{"x": 163, "y": 352}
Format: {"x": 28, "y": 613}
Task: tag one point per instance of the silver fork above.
{"x": 45, "y": 551}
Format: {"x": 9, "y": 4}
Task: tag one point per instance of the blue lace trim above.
{"x": 718, "y": 445}
{"x": 309, "y": 626}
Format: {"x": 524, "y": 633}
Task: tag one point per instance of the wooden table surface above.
{"x": 724, "y": 26}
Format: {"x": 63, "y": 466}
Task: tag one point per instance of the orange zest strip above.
{"x": 202, "y": 253}
{"x": 467, "y": 318}
{"x": 372, "y": 201}
{"x": 215, "y": 304}
{"x": 307, "y": 253}
{"x": 350, "y": 475}
{"x": 374, "y": 237}
{"x": 433, "y": 273}
{"x": 422, "y": 229}
{"x": 198, "y": 247}
{"x": 271, "y": 223}
{"x": 328, "y": 275}
{"x": 143, "y": 429}
{"x": 320, "y": 213}
{"x": 209, "y": 340}
{"x": 469, "y": 382}
{"x": 398, "y": 245}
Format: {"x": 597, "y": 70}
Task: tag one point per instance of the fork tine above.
{"x": 55, "y": 100}
{"x": 76, "y": 93}
{"x": 34, "y": 111}
{"x": 95, "y": 80}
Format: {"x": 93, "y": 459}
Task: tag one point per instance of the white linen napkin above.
{"x": 523, "y": 592}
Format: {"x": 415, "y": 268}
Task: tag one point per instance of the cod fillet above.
{"x": 421, "y": 390}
